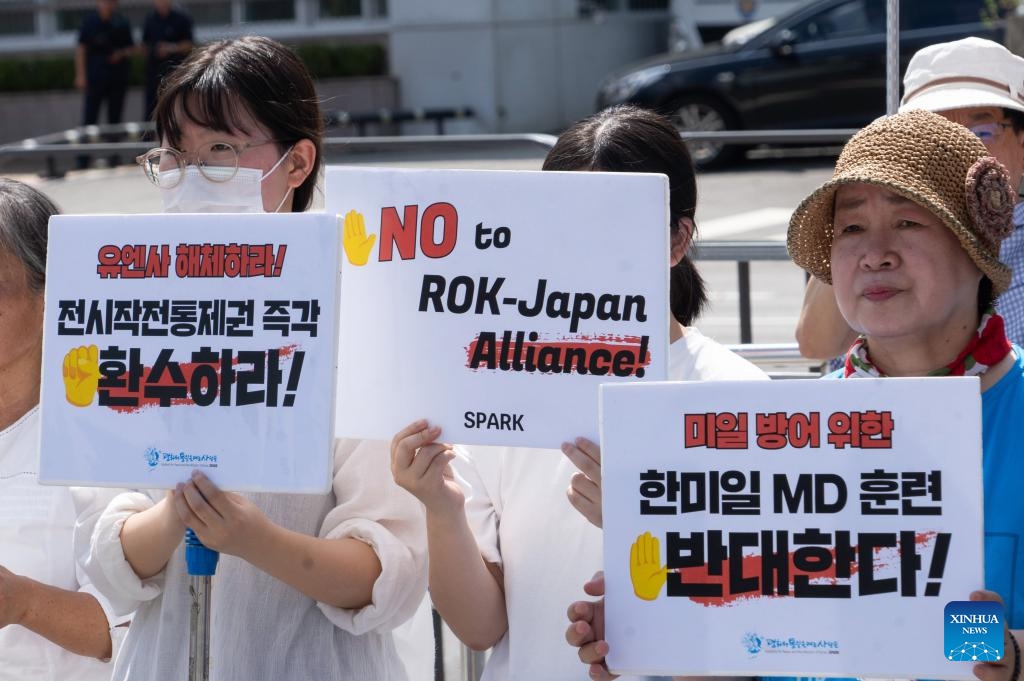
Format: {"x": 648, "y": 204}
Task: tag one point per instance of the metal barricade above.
{"x": 126, "y": 139}
{"x": 742, "y": 252}
{"x": 361, "y": 119}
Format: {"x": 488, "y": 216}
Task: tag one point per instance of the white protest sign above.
{"x": 790, "y": 528}
{"x": 181, "y": 342}
{"x": 495, "y": 303}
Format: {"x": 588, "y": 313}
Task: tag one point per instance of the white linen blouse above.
{"x": 39, "y": 540}
{"x": 261, "y": 627}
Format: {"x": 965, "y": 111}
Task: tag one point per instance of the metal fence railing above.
{"x": 127, "y": 138}
{"x": 362, "y": 119}
{"x": 742, "y": 253}
{"x": 47, "y": 153}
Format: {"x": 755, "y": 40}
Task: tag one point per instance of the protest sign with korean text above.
{"x": 790, "y": 528}
{"x": 495, "y": 303}
{"x": 181, "y": 342}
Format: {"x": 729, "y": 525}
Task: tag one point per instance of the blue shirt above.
{"x": 1002, "y": 443}
{"x": 1002, "y": 407}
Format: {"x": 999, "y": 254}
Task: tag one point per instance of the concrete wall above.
{"x": 586, "y": 57}
{"x": 446, "y": 65}
{"x": 522, "y": 65}
{"x": 417, "y": 12}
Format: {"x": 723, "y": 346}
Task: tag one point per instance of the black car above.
{"x": 820, "y": 66}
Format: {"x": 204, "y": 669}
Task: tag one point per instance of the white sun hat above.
{"x": 972, "y": 72}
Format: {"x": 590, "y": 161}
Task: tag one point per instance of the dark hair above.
{"x": 222, "y": 84}
{"x": 24, "y": 215}
{"x": 1016, "y": 119}
{"x": 634, "y": 140}
{"x": 985, "y": 297}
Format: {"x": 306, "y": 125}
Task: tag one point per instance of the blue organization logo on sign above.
{"x": 156, "y": 458}
{"x": 755, "y": 644}
{"x": 752, "y": 642}
{"x": 973, "y": 631}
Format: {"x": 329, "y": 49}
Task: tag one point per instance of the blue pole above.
{"x": 202, "y": 564}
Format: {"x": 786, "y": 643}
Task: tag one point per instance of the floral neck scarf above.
{"x": 986, "y": 347}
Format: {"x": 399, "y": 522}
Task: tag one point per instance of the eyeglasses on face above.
{"x": 987, "y": 132}
{"x": 217, "y": 162}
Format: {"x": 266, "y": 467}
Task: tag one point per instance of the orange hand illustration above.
{"x": 81, "y": 375}
{"x": 645, "y": 568}
{"x": 357, "y": 244}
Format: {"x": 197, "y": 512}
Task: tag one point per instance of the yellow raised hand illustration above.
{"x": 81, "y": 375}
{"x": 357, "y": 244}
{"x": 645, "y": 569}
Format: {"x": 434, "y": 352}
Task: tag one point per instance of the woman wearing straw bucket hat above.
{"x": 979, "y": 84}
{"x": 908, "y": 231}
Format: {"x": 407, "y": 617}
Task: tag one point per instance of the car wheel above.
{"x": 695, "y": 113}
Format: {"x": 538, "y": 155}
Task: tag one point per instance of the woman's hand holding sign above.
{"x": 232, "y": 524}
{"x": 466, "y": 590}
{"x": 224, "y": 522}
{"x": 585, "y": 488}
{"x": 586, "y": 629}
{"x": 1008, "y": 667}
{"x": 420, "y": 466}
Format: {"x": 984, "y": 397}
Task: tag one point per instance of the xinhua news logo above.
{"x": 973, "y": 631}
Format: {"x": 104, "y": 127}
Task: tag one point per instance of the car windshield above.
{"x": 790, "y": 18}
{"x": 818, "y": 20}
{"x": 743, "y": 34}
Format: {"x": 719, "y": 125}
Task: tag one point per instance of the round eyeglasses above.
{"x": 987, "y": 132}
{"x": 217, "y": 162}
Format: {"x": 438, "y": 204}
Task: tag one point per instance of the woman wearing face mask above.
{"x": 308, "y": 586}
{"x": 218, "y": 157}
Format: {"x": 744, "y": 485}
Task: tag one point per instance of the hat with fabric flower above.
{"x": 930, "y": 160}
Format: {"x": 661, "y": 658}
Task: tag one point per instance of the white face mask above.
{"x": 243, "y": 193}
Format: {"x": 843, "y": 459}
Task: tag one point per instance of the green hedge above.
{"x": 344, "y": 61}
{"x": 58, "y": 73}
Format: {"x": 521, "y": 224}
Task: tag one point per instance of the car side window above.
{"x": 931, "y": 14}
{"x": 848, "y": 19}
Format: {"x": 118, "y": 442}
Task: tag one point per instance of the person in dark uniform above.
{"x": 101, "y": 61}
{"x": 167, "y": 38}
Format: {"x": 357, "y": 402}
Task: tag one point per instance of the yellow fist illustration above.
{"x": 645, "y": 569}
{"x": 357, "y": 244}
{"x": 81, "y": 375}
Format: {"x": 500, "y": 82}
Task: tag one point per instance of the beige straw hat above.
{"x": 930, "y": 160}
